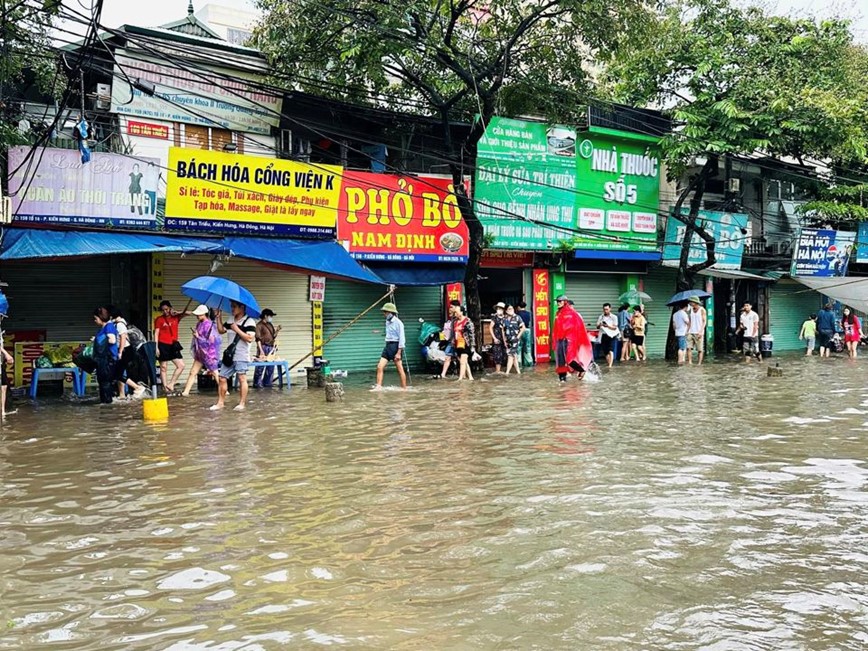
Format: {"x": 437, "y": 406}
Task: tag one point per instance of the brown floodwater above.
{"x": 662, "y": 508}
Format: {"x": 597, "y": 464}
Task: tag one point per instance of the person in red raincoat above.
{"x": 572, "y": 344}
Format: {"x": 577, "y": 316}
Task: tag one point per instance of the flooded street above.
{"x": 662, "y": 508}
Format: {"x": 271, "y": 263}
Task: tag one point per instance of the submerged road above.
{"x": 662, "y": 508}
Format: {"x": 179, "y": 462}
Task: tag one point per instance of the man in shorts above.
{"x": 681, "y": 325}
{"x": 749, "y": 321}
{"x": 394, "y": 348}
{"x": 244, "y": 329}
{"x": 609, "y": 333}
{"x": 696, "y": 331}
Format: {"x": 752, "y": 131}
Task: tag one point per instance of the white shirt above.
{"x": 681, "y": 322}
{"x": 750, "y": 323}
{"x": 696, "y": 327}
{"x": 609, "y": 324}
{"x": 242, "y": 348}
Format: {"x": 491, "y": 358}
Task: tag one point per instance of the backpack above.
{"x": 135, "y": 336}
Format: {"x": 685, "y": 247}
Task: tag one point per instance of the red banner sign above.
{"x": 148, "y": 130}
{"x": 542, "y": 296}
{"x": 454, "y": 292}
{"x": 404, "y": 218}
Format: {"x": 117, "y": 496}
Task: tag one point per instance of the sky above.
{"x": 154, "y": 12}
{"x": 151, "y": 13}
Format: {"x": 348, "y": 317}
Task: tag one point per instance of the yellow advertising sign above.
{"x": 225, "y": 192}
{"x": 317, "y": 329}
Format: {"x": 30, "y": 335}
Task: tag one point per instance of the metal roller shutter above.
{"x": 790, "y": 303}
{"x": 659, "y": 284}
{"x": 283, "y": 291}
{"x": 590, "y": 291}
{"x": 57, "y": 296}
{"x": 359, "y": 348}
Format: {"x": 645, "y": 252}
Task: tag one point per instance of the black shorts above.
{"x": 458, "y": 352}
{"x": 167, "y": 352}
{"x": 390, "y": 351}
{"x": 606, "y": 343}
{"x": 824, "y": 337}
{"x": 4, "y": 379}
{"x": 639, "y": 340}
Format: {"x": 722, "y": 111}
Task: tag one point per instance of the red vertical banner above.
{"x": 542, "y": 296}
{"x": 454, "y": 292}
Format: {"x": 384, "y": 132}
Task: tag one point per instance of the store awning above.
{"x": 852, "y": 291}
{"x": 735, "y": 274}
{"x": 30, "y": 243}
{"x": 418, "y": 275}
{"x": 317, "y": 256}
{"x": 591, "y": 254}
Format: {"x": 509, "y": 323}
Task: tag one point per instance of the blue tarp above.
{"x": 326, "y": 258}
{"x": 29, "y": 243}
{"x": 418, "y": 275}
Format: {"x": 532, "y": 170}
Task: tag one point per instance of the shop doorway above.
{"x": 497, "y": 285}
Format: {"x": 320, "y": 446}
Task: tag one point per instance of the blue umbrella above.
{"x": 217, "y": 292}
{"x": 682, "y": 297}
{"x": 4, "y": 305}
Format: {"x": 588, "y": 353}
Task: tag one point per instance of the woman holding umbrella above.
{"x": 217, "y": 293}
{"x": 205, "y": 348}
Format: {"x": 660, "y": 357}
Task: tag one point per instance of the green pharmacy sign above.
{"x": 540, "y": 186}
{"x": 618, "y": 193}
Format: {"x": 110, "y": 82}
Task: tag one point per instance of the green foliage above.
{"x": 841, "y": 204}
{"x": 466, "y": 57}
{"x": 26, "y": 59}
{"x": 740, "y": 80}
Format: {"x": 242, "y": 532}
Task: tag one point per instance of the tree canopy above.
{"x": 25, "y": 43}
{"x": 450, "y": 59}
{"x": 739, "y": 81}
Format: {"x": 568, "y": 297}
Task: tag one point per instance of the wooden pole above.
{"x": 346, "y": 327}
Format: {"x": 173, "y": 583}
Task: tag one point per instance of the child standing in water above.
{"x": 809, "y": 333}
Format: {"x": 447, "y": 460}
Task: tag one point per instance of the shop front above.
{"x": 582, "y": 206}
{"x": 790, "y": 304}
{"x": 410, "y": 233}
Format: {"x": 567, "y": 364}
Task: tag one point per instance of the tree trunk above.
{"x": 474, "y": 226}
{"x": 686, "y": 272}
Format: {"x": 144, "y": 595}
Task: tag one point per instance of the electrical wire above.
{"x": 537, "y": 223}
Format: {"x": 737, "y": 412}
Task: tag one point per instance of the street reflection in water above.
{"x": 661, "y": 508}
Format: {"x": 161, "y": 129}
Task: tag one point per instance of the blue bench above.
{"x": 281, "y": 366}
{"x": 77, "y": 378}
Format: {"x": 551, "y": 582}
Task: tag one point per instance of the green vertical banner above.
{"x": 559, "y": 286}
{"x": 709, "y": 313}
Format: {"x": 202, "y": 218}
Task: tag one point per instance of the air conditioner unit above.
{"x": 734, "y": 186}
{"x": 5, "y": 210}
{"x": 103, "y": 97}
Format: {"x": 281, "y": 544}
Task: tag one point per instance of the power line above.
{"x": 519, "y": 217}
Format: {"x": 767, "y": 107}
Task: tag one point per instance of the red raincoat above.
{"x": 570, "y": 327}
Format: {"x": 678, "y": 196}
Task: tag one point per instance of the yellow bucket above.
{"x": 156, "y": 409}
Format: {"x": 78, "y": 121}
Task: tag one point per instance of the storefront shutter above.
{"x": 790, "y": 303}
{"x": 659, "y": 284}
{"x": 590, "y": 291}
{"x": 56, "y": 296}
{"x": 283, "y": 291}
{"x": 359, "y": 347}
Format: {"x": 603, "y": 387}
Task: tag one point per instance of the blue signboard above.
{"x": 822, "y": 253}
{"x": 728, "y": 229}
{"x": 862, "y": 241}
